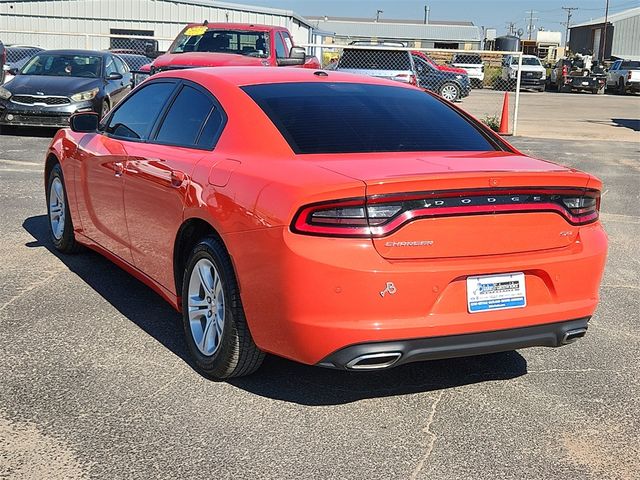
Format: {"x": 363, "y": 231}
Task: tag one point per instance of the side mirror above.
{"x": 13, "y": 71}
{"x": 114, "y": 76}
{"x": 86, "y": 122}
{"x": 297, "y": 56}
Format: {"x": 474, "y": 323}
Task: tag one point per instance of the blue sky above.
{"x": 487, "y": 13}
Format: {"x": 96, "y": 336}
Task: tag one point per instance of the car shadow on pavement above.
{"x": 631, "y": 123}
{"x": 278, "y": 378}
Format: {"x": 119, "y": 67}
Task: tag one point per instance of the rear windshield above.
{"x": 361, "y": 118}
{"x": 466, "y": 58}
{"x": 630, "y": 64}
{"x": 375, "y": 60}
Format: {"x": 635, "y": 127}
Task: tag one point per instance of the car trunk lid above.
{"x": 464, "y": 204}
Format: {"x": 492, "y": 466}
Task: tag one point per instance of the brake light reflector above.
{"x": 379, "y": 216}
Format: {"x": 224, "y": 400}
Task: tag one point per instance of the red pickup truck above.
{"x": 228, "y": 44}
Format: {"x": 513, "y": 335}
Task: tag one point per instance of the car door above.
{"x": 102, "y": 159}
{"x": 612, "y": 74}
{"x": 158, "y": 176}
{"x": 428, "y": 77}
{"x": 127, "y": 78}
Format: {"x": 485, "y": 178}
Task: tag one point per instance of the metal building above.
{"x": 622, "y": 36}
{"x": 435, "y": 34}
{"x": 146, "y": 18}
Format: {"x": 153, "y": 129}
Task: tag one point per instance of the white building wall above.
{"x": 164, "y": 18}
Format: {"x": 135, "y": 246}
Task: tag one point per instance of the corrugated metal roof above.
{"x": 402, "y": 31}
{"x": 613, "y": 18}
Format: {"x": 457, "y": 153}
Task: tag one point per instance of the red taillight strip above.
{"x": 302, "y": 221}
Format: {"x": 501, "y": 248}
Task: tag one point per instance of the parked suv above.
{"x": 404, "y": 66}
{"x": 533, "y": 75}
{"x": 390, "y": 64}
{"x": 473, "y": 65}
{"x": 624, "y": 76}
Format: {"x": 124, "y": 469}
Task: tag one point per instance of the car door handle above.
{"x": 177, "y": 178}
{"x": 118, "y": 169}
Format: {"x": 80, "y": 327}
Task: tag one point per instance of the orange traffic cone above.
{"x": 504, "y": 119}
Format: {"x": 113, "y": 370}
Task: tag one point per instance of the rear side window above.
{"x": 361, "y": 118}
{"x": 186, "y": 117}
{"x": 137, "y": 114}
{"x": 375, "y": 60}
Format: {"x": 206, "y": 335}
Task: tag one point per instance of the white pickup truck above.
{"x": 624, "y": 76}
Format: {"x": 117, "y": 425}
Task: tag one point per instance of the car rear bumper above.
{"x": 376, "y": 356}
{"x": 307, "y": 297}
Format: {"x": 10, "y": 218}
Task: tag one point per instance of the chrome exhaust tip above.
{"x": 374, "y": 361}
{"x": 571, "y": 336}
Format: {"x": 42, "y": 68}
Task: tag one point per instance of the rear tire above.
{"x": 450, "y": 91}
{"x": 60, "y": 224}
{"x": 215, "y": 327}
{"x": 621, "y": 88}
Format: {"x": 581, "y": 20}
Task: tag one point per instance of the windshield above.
{"x": 361, "y": 118}
{"x": 52, "y": 65}
{"x": 201, "y": 39}
{"x": 526, "y": 61}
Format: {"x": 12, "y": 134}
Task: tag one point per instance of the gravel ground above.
{"x": 95, "y": 381}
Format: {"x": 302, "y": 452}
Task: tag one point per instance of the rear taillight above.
{"x": 379, "y": 216}
{"x": 406, "y": 78}
{"x": 565, "y": 71}
{"x": 629, "y": 75}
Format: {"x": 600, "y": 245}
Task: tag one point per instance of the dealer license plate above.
{"x": 496, "y": 292}
{"x": 586, "y": 84}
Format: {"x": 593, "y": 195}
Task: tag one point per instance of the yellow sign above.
{"x": 195, "y": 31}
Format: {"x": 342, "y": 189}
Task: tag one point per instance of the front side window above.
{"x": 361, "y": 118}
{"x": 185, "y": 119}
{"x": 137, "y": 114}
{"x": 54, "y": 65}
{"x": 280, "y": 50}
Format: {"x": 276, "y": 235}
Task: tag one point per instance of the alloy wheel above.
{"x": 57, "y": 208}
{"x": 206, "y": 309}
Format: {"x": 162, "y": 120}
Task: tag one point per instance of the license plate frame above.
{"x": 501, "y": 291}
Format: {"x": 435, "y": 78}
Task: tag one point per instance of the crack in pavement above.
{"x": 432, "y": 441}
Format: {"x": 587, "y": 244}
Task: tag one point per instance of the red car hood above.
{"x": 207, "y": 59}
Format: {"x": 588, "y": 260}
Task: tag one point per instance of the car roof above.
{"x": 245, "y": 76}
{"x": 236, "y": 26}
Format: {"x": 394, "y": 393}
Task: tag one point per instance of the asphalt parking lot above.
{"x": 95, "y": 380}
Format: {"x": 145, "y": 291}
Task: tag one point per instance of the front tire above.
{"x": 215, "y": 327}
{"x": 621, "y": 87}
{"x": 60, "y": 224}
{"x": 450, "y": 91}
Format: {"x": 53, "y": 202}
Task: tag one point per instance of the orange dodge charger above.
{"x": 336, "y": 220}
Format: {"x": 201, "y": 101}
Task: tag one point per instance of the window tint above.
{"x": 211, "y": 128}
{"x": 280, "y": 51}
{"x": 629, "y": 64}
{"x": 135, "y": 117}
{"x": 354, "y": 118}
{"x": 185, "y": 118}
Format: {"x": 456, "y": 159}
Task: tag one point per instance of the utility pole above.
{"x": 531, "y": 19}
{"x": 566, "y": 35}
{"x": 603, "y": 51}
{"x": 426, "y": 14}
